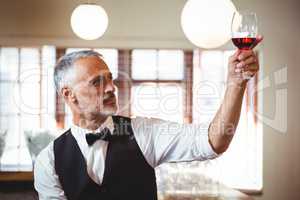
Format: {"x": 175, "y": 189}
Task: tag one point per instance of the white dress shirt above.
{"x": 160, "y": 141}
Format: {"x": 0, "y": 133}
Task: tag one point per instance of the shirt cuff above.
{"x": 209, "y": 151}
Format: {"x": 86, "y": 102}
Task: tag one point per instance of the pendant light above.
{"x": 207, "y": 23}
{"x": 89, "y": 21}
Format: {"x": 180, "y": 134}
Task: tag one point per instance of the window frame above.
{"x": 125, "y": 56}
{"x": 24, "y": 172}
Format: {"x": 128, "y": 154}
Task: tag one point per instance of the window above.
{"x": 158, "y": 84}
{"x": 157, "y": 65}
{"x": 26, "y": 83}
{"x": 158, "y": 100}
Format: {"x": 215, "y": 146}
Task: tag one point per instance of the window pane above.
{"x": 209, "y": 80}
{"x": 9, "y": 104}
{"x": 110, "y": 56}
{"x": 227, "y": 54}
{"x": 30, "y": 65}
{"x": 10, "y": 123}
{"x": 206, "y": 100}
{"x": 170, "y": 65}
{"x": 30, "y": 98}
{"x": 48, "y": 90}
{"x": 158, "y": 100}
{"x": 48, "y": 100}
{"x": 211, "y": 59}
{"x": 48, "y": 57}
{"x": 212, "y": 65}
{"x": 29, "y": 122}
{"x": 144, "y": 64}
{"x": 16, "y": 159}
{"x": 9, "y": 64}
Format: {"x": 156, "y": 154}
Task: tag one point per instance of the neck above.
{"x": 91, "y": 123}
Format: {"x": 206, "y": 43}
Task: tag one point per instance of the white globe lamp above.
{"x": 207, "y": 23}
{"x": 89, "y": 21}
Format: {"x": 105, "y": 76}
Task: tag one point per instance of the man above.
{"x": 105, "y": 156}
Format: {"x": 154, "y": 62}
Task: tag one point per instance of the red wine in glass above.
{"x": 244, "y": 29}
{"x": 244, "y": 43}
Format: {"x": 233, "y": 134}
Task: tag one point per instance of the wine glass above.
{"x": 244, "y": 30}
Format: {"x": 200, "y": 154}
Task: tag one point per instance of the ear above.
{"x": 68, "y": 95}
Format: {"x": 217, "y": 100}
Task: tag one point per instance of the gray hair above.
{"x": 65, "y": 65}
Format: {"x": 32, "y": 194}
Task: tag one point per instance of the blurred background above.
{"x": 158, "y": 73}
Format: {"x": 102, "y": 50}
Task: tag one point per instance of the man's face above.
{"x": 93, "y": 88}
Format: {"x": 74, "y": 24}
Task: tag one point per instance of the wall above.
{"x": 143, "y": 23}
{"x": 132, "y": 23}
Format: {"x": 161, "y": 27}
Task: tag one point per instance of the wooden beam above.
{"x": 16, "y": 176}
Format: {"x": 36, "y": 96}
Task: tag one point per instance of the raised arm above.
{"x": 241, "y": 66}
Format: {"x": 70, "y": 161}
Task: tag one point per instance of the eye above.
{"x": 110, "y": 77}
{"x": 98, "y": 81}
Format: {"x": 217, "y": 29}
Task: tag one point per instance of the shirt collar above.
{"x": 79, "y": 132}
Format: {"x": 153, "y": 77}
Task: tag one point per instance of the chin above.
{"x": 110, "y": 110}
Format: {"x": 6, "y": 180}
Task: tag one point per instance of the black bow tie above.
{"x": 91, "y": 138}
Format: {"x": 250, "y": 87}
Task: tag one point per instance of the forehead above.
{"x": 88, "y": 67}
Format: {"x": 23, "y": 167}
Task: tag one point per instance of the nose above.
{"x": 110, "y": 87}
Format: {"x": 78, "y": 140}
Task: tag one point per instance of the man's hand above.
{"x": 243, "y": 65}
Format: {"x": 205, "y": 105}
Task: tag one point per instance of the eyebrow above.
{"x": 99, "y": 76}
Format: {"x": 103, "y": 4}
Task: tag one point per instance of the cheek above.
{"x": 90, "y": 98}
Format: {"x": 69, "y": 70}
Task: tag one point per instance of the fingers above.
{"x": 247, "y": 67}
{"x": 248, "y": 74}
{"x": 244, "y": 64}
{"x": 234, "y": 57}
{"x": 250, "y": 60}
{"x": 245, "y": 54}
{"x": 241, "y": 73}
{"x": 251, "y": 68}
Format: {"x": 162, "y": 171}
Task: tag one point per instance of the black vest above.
{"x": 127, "y": 175}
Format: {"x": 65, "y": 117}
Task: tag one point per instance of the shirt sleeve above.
{"x": 46, "y": 181}
{"x": 163, "y": 141}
